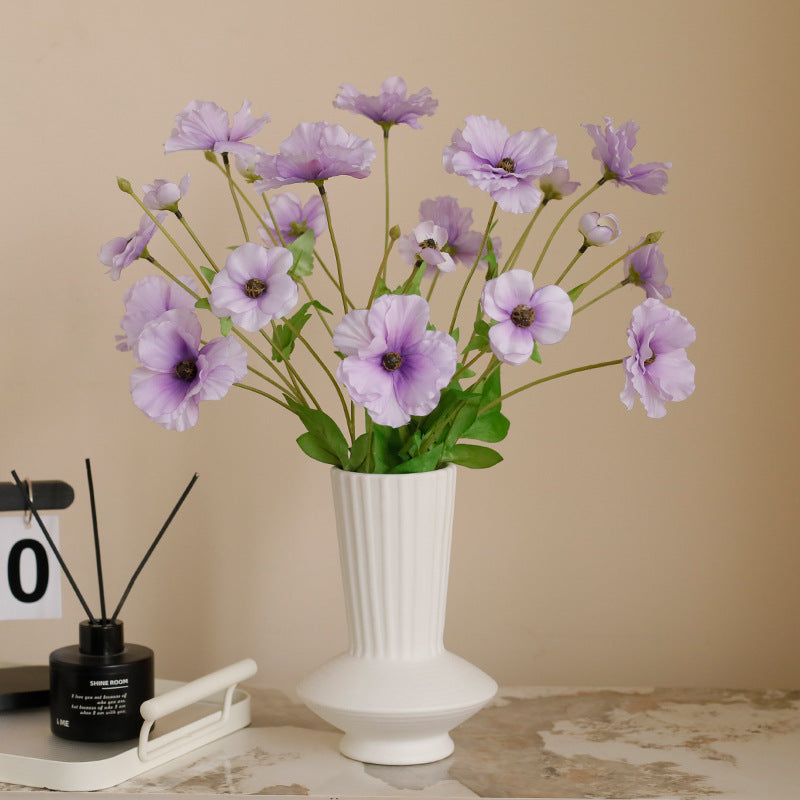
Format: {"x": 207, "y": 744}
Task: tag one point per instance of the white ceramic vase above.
{"x": 396, "y": 693}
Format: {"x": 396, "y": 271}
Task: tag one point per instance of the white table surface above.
{"x": 529, "y": 742}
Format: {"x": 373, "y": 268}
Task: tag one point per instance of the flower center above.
{"x": 391, "y": 361}
{"x": 297, "y": 228}
{"x": 186, "y": 370}
{"x": 508, "y": 164}
{"x": 428, "y": 243}
{"x": 522, "y": 316}
{"x": 649, "y": 361}
{"x": 255, "y": 287}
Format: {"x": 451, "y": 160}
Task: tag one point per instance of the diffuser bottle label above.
{"x": 104, "y": 697}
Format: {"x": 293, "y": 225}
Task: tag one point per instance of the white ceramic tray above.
{"x": 189, "y": 715}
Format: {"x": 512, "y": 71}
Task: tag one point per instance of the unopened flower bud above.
{"x": 599, "y": 230}
{"x": 210, "y": 156}
{"x": 652, "y": 238}
{"x": 395, "y": 233}
{"x": 124, "y": 185}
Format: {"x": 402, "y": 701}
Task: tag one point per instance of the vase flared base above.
{"x": 396, "y": 712}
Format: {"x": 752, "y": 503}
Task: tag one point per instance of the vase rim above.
{"x": 450, "y": 466}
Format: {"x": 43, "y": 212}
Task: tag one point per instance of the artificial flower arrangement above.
{"x": 423, "y": 388}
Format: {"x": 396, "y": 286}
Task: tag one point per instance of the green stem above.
{"x": 311, "y": 297}
{"x": 581, "y": 250}
{"x": 546, "y": 379}
{"x": 514, "y": 255}
{"x": 331, "y": 276}
{"x": 145, "y": 255}
{"x": 231, "y": 183}
{"x": 191, "y": 233}
{"x": 293, "y": 373}
{"x": 616, "y": 261}
{"x": 474, "y": 267}
{"x": 386, "y": 183}
{"x": 563, "y": 218}
{"x": 266, "y": 378}
{"x": 274, "y": 222}
{"x": 381, "y": 271}
{"x": 465, "y": 367}
{"x": 433, "y": 284}
{"x": 240, "y": 192}
{"x": 263, "y": 394}
{"x": 290, "y": 388}
{"x": 172, "y": 241}
{"x": 324, "y": 195}
{"x": 316, "y": 357}
{"x": 599, "y": 297}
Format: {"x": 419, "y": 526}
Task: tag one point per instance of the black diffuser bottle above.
{"x": 98, "y": 685}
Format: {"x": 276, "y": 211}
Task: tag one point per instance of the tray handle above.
{"x": 157, "y": 707}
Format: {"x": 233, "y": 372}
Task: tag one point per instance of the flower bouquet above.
{"x": 424, "y": 388}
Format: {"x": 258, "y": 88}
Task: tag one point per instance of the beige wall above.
{"x": 607, "y": 548}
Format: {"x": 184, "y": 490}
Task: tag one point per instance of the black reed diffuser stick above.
{"x": 103, "y": 618}
{"x": 30, "y": 504}
{"x": 153, "y": 547}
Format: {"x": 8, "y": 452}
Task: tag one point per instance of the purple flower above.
{"x": 524, "y": 316}
{"x": 614, "y": 149}
{"x": 294, "y": 218}
{"x": 315, "y": 151}
{"x": 161, "y": 195}
{"x": 503, "y": 165}
{"x": 254, "y": 288}
{"x": 205, "y": 126}
{"x": 599, "y": 230}
{"x": 462, "y": 242}
{"x": 557, "y": 184}
{"x": 394, "y": 366}
{"x": 426, "y": 243}
{"x": 645, "y": 267}
{"x": 659, "y": 369}
{"x": 147, "y": 300}
{"x": 391, "y": 106}
{"x": 177, "y": 373}
{"x": 122, "y": 251}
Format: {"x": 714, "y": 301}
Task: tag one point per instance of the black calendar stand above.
{"x": 29, "y": 686}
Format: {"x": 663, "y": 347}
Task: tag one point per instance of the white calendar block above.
{"x": 30, "y": 577}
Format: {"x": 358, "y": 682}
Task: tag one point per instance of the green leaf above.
{"x": 208, "y": 273}
{"x": 536, "y": 355}
{"x": 480, "y": 337}
{"x": 203, "y": 303}
{"x": 323, "y": 428}
{"x": 473, "y": 456}
{"x": 302, "y": 249}
{"x": 412, "y": 285}
{"x": 285, "y": 335}
{"x": 225, "y": 325}
{"x": 463, "y": 419}
{"x": 489, "y": 427}
{"x": 491, "y": 259}
{"x": 455, "y": 334}
{"x": 385, "y": 446}
{"x": 317, "y": 449}
{"x": 575, "y": 293}
{"x": 490, "y": 389}
{"x": 381, "y": 288}
{"x": 427, "y": 462}
{"x": 358, "y": 452}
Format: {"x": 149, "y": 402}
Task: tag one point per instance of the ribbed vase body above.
{"x": 394, "y": 547}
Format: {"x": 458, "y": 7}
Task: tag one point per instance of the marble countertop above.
{"x": 529, "y": 742}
